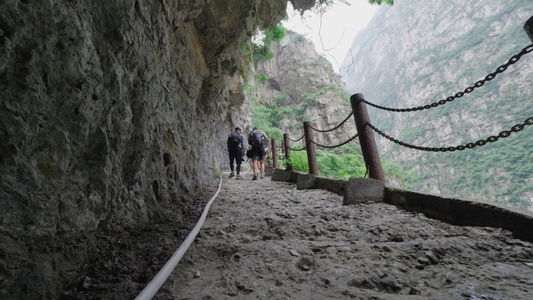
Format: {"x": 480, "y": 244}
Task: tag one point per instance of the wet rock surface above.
{"x": 267, "y": 240}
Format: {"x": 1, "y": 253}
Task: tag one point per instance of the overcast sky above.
{"x": 340, "y": 25}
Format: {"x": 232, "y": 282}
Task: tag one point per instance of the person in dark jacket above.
{"x": 258, "y": 151}
{"x": 235, "y": 151}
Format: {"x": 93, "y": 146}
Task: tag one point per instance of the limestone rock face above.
{"x": 111, "y": 113}
{"x": 304, "y": 78}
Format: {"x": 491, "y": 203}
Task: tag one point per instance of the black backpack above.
{"x": 255, "y": 139}
{"x": 234, "y": 140}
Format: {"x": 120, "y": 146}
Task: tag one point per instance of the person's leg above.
{"x": 262, "y": 162}
{"x": 255, "y": 167}
{"x": 262, "y": 165}
{"x": 255, "y": 162}
{"x": 238, "y": 159}
{"x": 231, "y": 160}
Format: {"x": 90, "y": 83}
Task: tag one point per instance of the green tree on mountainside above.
{"x": 278, "y": 32}
{"x": 389, "y": 2}
{"x": 378, "y": 2}
{"x": 263, "y": 51}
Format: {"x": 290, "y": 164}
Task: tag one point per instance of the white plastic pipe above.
{"x": 151, "y": 289}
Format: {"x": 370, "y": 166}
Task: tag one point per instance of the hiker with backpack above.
{"x": 236, "y": 151}
{"x": 255, "y": 140}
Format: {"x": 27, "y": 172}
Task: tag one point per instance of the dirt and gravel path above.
{"x": 267, "y": 240}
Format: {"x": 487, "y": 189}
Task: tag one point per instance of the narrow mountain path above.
{"x": 267, "y": 240}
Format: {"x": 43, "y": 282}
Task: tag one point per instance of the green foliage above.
{"x": 298, "y": 38}
{"x": 263, "y": 51}
{"x": 340, "y": 166}
{"x": 391, "y": 169}
{"x": 275, "y": 133}
{"x": 216, "y": 173}
{"x": 331, "y": 165}
{"x": 379, "y": 2}
{"x": 298, "y": 161}
{"x": 247, "y": 58}
{"x": 293, "y": 111}
{"x": 511, "y": 158}
{"x": 262, "y": 117}
{"x": 312, "y": 97}
{"x": 248, "y": 88}
{"x": 331, "y": 2}
{"x": 275, "y": 34}
{"x": 394, "y": 171}
{"x": 261, "y": 77}
{"x": 280, "y": 99}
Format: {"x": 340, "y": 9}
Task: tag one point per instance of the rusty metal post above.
{"x": 528, "y": 27}
{"x": 287, "y": 146}
{"x": 274, "y": 153}
{"x": 366, "y": 138}
{"x": 310, "y": 147}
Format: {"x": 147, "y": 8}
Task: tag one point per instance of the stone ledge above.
{"x": 305, "y": 182}
{"x": 464, "y": 212}
{"x": 329, "y": 184}
{"x": 280, "y": 175}
{"x": 269, "y": 170}
{"x": 453, "y": 211}
{"x": 325, "y": 183}
{"x": 363, "y": 190}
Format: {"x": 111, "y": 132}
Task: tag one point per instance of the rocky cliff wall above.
{"x": 299, "y": 76}
{"x": 112, "y": 113}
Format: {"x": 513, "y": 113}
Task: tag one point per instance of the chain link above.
{"x": 491, "y": 139}
{"x": 468, "y": 90}
{"x": 339, "y": 145}
{"x": 297, "y": 139}
{"x": 336, "y": 127}
{"x": 297, "y": 149}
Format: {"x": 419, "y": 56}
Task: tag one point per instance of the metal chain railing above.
{"x": 297, "y": 149}
{"x": 336, "y": 146}
{"x": 296, "y": 140}
{"x": 328, "y": 130}
{"x": 324, "y": 131}
{"x": 469, "y": 89}
{"x": 491, "y": 139}
{"x": 336, "y": 127}
{"x": 374, "y": 168}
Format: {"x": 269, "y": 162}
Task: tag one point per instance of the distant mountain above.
{"x": 300, "y": 85}
{"x": 418, "y": 52}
